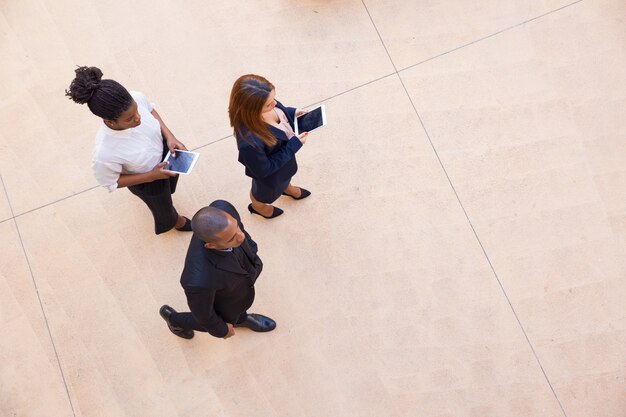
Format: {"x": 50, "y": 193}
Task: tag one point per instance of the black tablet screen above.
{"x": 310, "y": 120}
{"x": 181, "y": 163}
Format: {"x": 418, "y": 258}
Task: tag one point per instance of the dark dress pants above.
{"x": 188, "y": 321}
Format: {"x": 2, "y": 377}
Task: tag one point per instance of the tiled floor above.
{"x": 463, "y": 254}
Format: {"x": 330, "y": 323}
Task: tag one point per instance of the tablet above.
{"x": 310, "y": 120}
{"x": 182, "y": 163}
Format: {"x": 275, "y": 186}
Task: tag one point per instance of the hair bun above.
{"x": 86, "y": 82}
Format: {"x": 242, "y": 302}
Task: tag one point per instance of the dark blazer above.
{"x": 272, "y": 165}
{"x": 217, "y": 287}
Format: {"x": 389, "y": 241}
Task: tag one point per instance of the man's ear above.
{"x": 209, "y": 245}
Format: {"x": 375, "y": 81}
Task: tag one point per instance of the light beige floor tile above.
{"x": 588, "y": 345}
{"x": 528, "y": 129}
{"x": 416, "y": 31}
{"x": 32, "y": 384}
{"x": 46, "y": 150}
{"x": 38, "y": 167}
{"x": 5, "y": 208}
{"x": 383, "y": 299}
{"x": 94, "y": 284}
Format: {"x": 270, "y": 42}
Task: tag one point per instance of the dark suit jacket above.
{"x": 271, "y": 165}
{"x": 217, "y": 287}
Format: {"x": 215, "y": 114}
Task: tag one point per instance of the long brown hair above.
{"x": 249, "y": 94}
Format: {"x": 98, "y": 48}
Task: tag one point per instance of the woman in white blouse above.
{"x": 130, "y": 145}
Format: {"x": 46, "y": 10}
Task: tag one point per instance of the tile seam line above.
{"x": 495, "y": 274}
{"x": 43, "y": 311}
{"x": 485, "y": 37}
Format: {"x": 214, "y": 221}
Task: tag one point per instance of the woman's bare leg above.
{"x": 293, "y": 191}
{"x": 265, "y": 209}
{"x": 180, "y": 222}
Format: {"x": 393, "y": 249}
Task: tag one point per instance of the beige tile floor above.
{"x": 463, "y": 254}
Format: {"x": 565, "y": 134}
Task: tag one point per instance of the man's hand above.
{"x": 173, "y": 143}
{"x": 231, "y": 331}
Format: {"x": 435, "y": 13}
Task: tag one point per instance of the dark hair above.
{"x": 249, "y": 94}
{"x": 208, "y": 222}
{"x": 105, "y": 98}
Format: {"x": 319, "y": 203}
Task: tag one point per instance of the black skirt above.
{"x": 158, "y": 197}
{"x": 268, "y": 193}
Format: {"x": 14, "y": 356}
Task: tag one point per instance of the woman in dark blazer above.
{"x": 267, "y": 143}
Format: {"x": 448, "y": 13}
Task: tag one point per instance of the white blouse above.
{"x": 130, "y": 151}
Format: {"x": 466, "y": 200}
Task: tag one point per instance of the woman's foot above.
{"x": 183, "y": 224}
{"x": 296, "y": 193}
{"x": 268, "y": 211}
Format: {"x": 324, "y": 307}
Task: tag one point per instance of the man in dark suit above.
{"x": 221, "y": 268}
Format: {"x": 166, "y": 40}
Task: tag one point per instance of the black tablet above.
{"x": 182, "y": 163}
{"x": 310, "y": 120}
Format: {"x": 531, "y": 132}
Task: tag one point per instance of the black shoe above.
{"x": 277, "y": 212}
{"x": 303, "y": 194}
{"x": 257, "y": 323}
{"x": 166, "y": 312}
{"x": 185, "y": 227}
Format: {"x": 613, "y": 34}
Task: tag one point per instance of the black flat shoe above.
{"x": 166, "y": 312}
{"x": 277, "y": 212}
{"x": 257, "y": 323}
{"x": 303, "y": 194}
{"x": 185, "y": 227}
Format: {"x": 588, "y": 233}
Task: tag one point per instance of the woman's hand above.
{"x": 173, "y": 143}
{"x": 156, "y": 173}
{"x": 303, "y": 136}
{"x": 159, "y": 173}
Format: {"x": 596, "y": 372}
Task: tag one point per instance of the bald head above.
{"x": 208, "y": 222}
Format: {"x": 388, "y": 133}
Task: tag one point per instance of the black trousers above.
{"x": 188, "y": 321}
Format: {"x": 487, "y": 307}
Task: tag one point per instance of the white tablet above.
{"x": 310, "y": 120}
{"x": 182, "y": 163}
